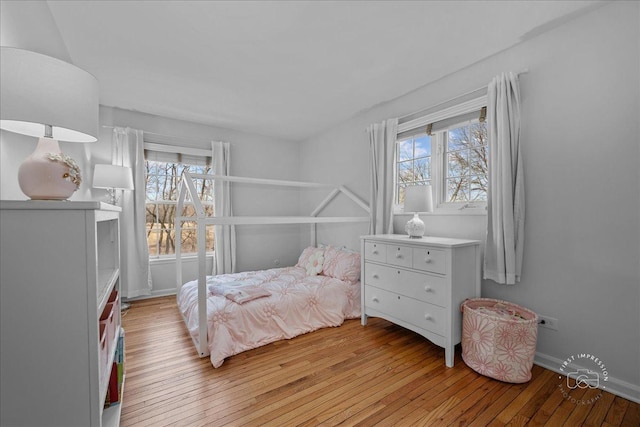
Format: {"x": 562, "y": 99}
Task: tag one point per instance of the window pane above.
{"x": 413, "y": 163}
{"x": 457, "y": 163}
{"x": 422, "y": 169}
{"x": 151, "y": 215}
{"x": 152, "y": 181}
{"x": 405, "y": 172}
{"x": 457, "y": 189}
{"x": 478, "y": 190}
{"x": 166, "y": 241}
{"x": 466, "y": 163}
{"x": 405, "y": 150}
{"x": 457, "y": 138}
{"x": 188, "y": 240}
{"x": 166, "y": 215}
{"x": 479, "y": 134}
{"x": 423, "y": 146}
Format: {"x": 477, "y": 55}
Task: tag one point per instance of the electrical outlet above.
{"x": 548, "y": 322}
{"x": 276, "y": 262}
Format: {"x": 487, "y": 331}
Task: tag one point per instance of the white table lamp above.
{"x": 112, "y": 178}
{"x": 55, "y": 101}
{"x": 417, "y": 198}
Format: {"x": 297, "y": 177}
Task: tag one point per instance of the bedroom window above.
{"x": 447, "y": 149}
{"x": 164, "y": 172}
{"x": 466, "y": 163}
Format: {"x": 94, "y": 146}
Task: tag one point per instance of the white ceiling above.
{"x": 283, "y": 68}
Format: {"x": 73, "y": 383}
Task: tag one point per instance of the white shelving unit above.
{"x": 59, "y": 262}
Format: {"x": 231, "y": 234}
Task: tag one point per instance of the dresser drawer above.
{"x": 428, "y": 259}
{"x": 399, "y": 255}
{"x": 421, "y": 286}
{"x": 421, "y": 314}
{"x": 375, "y": 252}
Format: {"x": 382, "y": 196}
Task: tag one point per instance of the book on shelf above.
{"x": 114, "y": 390}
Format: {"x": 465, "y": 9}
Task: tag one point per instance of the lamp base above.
{"x": 415, "y": 227}
{"x": 47, "y": 174}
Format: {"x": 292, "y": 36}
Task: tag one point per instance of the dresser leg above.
{"x": 363, "y": 319}
{"x": 449, "y": 353}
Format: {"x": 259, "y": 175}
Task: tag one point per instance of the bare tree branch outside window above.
{"x": 467, "y": 154}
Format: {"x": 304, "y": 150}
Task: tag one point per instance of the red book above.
{"x": 113, "y": 384}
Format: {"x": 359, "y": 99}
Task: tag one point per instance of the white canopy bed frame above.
{"x": 187, "y": 193}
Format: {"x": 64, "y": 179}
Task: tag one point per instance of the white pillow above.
{"x": 314, "y": 264}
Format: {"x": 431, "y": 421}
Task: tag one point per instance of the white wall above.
{"x": 580, "y": 113}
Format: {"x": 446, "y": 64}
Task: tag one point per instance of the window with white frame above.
{"x": 413, "y": 163}
{"x": 448, "y": 150}
{"x": 466, "y": 155}
{"x": 164, "y": 172}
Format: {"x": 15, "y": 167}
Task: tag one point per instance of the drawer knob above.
{"x": 375, "y": 299}
{"x": 427, "y": 260}
{"x": 398, "y": 255}
{"x": 428, "y": 288}
{"x": 375, "y": 252}
{"x": 428, "y": 317}
{"x": 375, "y": 276}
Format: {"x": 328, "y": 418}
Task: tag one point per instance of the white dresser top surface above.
{"x": 58, "y": 205}
{"x": 425, "y": 240}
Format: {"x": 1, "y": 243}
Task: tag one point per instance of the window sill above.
{"x": 448, "y": 212}
{"x": 172, "y": 259}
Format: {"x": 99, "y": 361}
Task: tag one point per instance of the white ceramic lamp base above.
{"x": 43, "y": 178}
{"x": 415, "y": 227}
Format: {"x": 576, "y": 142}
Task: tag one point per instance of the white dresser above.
{"x": 420, "y": 283}
{"x": 59, "y": 268}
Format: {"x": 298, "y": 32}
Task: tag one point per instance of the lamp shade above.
{"x": 418, "y": 198}
{"x": 38, "y": 90}
{"x": 112, "y": 176}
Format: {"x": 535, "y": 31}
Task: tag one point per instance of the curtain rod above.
{"x": 523, "y": 71}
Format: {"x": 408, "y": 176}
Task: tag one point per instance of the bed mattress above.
{"x": 296, "y": 304}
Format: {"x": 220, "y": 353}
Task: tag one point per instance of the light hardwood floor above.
{"x": 380, "y": 374}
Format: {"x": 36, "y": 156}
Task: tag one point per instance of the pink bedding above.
{"x": 297, "y": 304}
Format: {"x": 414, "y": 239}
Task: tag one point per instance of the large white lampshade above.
{"x": 55, "y": 101}
{"x": 112, "y": 178}
{"x": 417, "y": 198}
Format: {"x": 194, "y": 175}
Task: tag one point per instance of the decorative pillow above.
{"x": 341, "y": 264}
{"x": 314, "y": 264}
{"x": 306, "y": 254}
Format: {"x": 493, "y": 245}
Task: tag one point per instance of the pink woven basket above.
{"x": 499, "y": 339}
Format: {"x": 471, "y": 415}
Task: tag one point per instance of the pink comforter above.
{"x": 298, "y": 304}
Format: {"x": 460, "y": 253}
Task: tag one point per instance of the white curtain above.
{"x": 505, "y": 225}
{"x": 382, "y": 149}
{"x": 134, "y": 251}
{"x": 224, "y": 257}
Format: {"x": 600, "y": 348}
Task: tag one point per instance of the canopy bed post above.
{"x": 202, "y": 287}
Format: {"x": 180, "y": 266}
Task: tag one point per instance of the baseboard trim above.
{"x": 154, "y": 294}
{"x": 614, "y": 385}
